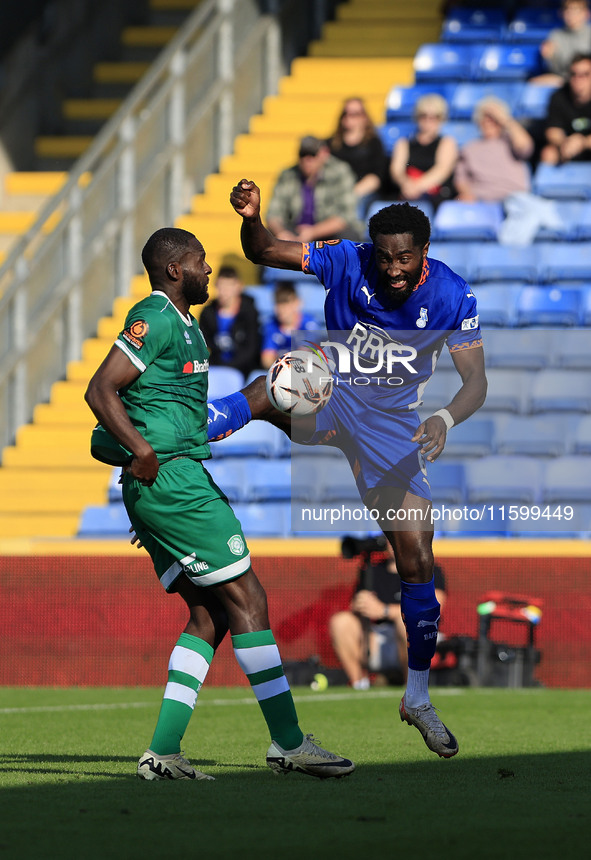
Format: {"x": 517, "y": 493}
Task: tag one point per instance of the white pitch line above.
{"x": 359, "y": 696}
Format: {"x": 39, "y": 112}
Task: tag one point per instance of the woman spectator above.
{"x": 356, "y": 141}
{"x": 422, "y": 166}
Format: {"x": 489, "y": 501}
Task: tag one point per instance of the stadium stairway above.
{"x": 48, "y": 476}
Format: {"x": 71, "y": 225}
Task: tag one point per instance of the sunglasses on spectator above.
{"x": 353, "y": 113}
{"x": 426, "y": 115}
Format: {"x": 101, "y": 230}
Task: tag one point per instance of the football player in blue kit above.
{"x": 389, "y": 310}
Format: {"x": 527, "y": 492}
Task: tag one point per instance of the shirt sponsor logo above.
{"x": 470, "y": 323}
{"x": 135, "y": 333}
{"x": 196, "y": 367}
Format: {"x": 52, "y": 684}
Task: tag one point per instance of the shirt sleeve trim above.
{"x": 133, "y": 358}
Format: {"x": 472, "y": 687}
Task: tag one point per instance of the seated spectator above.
{"x": 370, "y": 636}
{"x": 568, "y": 122}
{"x": 288, "y": 317}
{"x": 564, "y": 43}
{"x": 315, "y": 199}
{"x": 494, "y": 165}
{"x": 230, "y": 325}
{"x": 422, "y": 166}
{"x": 356, "y": 142}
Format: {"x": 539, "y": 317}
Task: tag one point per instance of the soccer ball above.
{"x": 300, "y": 382}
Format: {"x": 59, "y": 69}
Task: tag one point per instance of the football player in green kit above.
{"x": 150, "y": 394}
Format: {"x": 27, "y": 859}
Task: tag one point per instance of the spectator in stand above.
{"x": 568, "y": 122}
{"x": 356, "y": 142}
{"x": 370, "y": 635}
{"x": 422, "y": 166}
{"x": 315, "y": 198}
{"x": 230, "y": 325}
{"x": 566, "y": 42}
{"x": 495, "y": 165}
{"x": 288, "y": 317}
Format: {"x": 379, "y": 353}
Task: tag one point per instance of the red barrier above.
{"x": 106, "y": 621}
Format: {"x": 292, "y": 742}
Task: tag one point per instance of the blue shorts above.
{"x": 377, "y": 444}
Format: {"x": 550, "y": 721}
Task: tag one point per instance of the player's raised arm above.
{"x": 258, "y": 244}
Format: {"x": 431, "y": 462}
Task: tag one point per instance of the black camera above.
{"x": 351, "y": 547}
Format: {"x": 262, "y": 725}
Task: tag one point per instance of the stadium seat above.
{"x": 507, "y": 390}
{"x": 562, "y": 261}
{"x": 257, "y": 439}
{"x": 457, "y": 220}
{"x": 518, "y": 348}
{"x": 447, "y": 482}
{"x": 115, "y": 488}
{"x": 464, "y": 24}
{"x": 459, "y": 256}
{"x": 338, "y": 483}
{"x": 270, "y": 519}
{"x": 531, "y": 436}
{"x": 572, "y": 348}
{"x": 582, "y": 229}
{"x": 533, "y": 102}
{"x": 308, "y": 474}
{"x": 493, "y": 262}
{"x": 553, "y": 306}
{"x": 268, "y": 480}
{"x": 312, "y": 295}
{"x": 392, "y": 130}
{"x": 230, "y": 476}
{"x": 509, "y": 62}
{"x": 446, "y": 62}
{"x": 532, "y": 24}
{"x": 401, "y": 101}
{"x": 462, "y": 131}
{"x": 223, "y": 381}
{"x": 582, "y": 436}
{"x": 496, "y": 305}
{"x": 560, "y": 391}
{"x": 572, "y": 180}
{"x": 467, "y": 95}
{"x": 567, "y": 480}
{"x": 454, "y": 521}
{"x": 573, "y": 219}
{"x": 501, "y": 479}
{"x": 262, "y": 295}
{"x": 587, "y": 307}
{"x": 440, "y": 389}
{"x": 105, "y": 521}
{"x": 472, "y": 438}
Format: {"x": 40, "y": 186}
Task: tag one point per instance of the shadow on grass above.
{"x": 511, "y": 806}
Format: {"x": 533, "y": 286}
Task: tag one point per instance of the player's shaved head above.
{"x": 164, "y": 246}
{"x": 401, "y": 218}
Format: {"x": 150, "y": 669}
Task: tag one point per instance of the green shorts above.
{"x": 187, "y": 525}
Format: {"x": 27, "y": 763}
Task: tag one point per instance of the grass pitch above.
{"x": 518, "y": 788}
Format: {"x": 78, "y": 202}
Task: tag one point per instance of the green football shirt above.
{"x": 167, "y": 403}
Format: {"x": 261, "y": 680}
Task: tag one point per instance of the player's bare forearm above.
{"x": 258, "y": 244}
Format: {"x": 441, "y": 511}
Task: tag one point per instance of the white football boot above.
{"x": 436, "y": 735}
{"x": 308, "y": 758}
{"x": 174, "y": 766}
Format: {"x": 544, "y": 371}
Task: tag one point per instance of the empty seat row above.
{"x": 477, "y": 61}
{"x": 529, "y": 24}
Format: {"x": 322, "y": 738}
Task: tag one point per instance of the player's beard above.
{"x": 396, "y": 298}
{"x": 194, "y": 289}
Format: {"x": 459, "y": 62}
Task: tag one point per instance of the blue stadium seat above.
{"x": 462, "y": 131}
{"x": 338, "y": 483}
{"x": 401, "y": 100}
{"x": 493, "y": 262}
{"x": 572, "y": 348}
{"x": 567, "y": 480}
{"x": 496, "y": 305}
{"x": 223, "y": 381}
{"x": 105, "y": 521}
{"x": 560, "y": 391}
{"x": 532, "y": 24}
{"x": 574, "y": 221}
{"x": 563, "y": 261}
{"x": 464, "y": 24}
{"x": 270, "y": 519}
{"x": 518, "y": 348}
{"x": 446, "y": 62}
{"x": 531, "y": 436}
{"x": 472, "y": 438}
{"x": 268, "y": 480}
{"x": 587, "y": 307}
{"x": 499, "y": 479}
{"x": 447, "y": 482}
{"x": 312, "y": 295}
{"x": 440, "y": 389}
{"x": 583, "y": 226}
{"x": 230, "y": 476}
{"x": 459, "y": 256}
{"x": 308, "y": 474}
{"x": 533, "y": 102}
{"x": 461, "y": 221}
{"x": 453, "y": 521}
{"x": 572, "y": 180}
{"x": 392, "y": 130}
{"x": 507, "y": 390}
{"x": 257, "y": 439}
{"x": 115, "y": 488}
{"x": 582, "y": 436}
{"x": 509, "y": 62}
{"x": 552, "y": 306}
{"x": 262, "y": 295}
{"x": 467, "y": 95}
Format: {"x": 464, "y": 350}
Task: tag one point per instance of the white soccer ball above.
{"x": 300, "y": 382}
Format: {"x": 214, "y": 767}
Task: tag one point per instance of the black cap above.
{"x": 310, "y": 145}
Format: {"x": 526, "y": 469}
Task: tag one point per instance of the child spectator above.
{"x": 288, "y": 317}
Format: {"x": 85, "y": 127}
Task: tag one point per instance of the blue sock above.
{"x": 226, "y": 415}
{"x": 420, "y": 611}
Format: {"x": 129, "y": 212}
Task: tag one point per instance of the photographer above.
{"x": 370, "y": 636}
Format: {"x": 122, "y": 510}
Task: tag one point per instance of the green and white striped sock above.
{"x": 259, "y": 658}
{"x": 188, "y": 666}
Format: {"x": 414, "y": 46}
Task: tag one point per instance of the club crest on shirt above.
{"x": 236, "y": 545}
{"x": 422, "y": 320}
{"x": 135, "y": 333}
